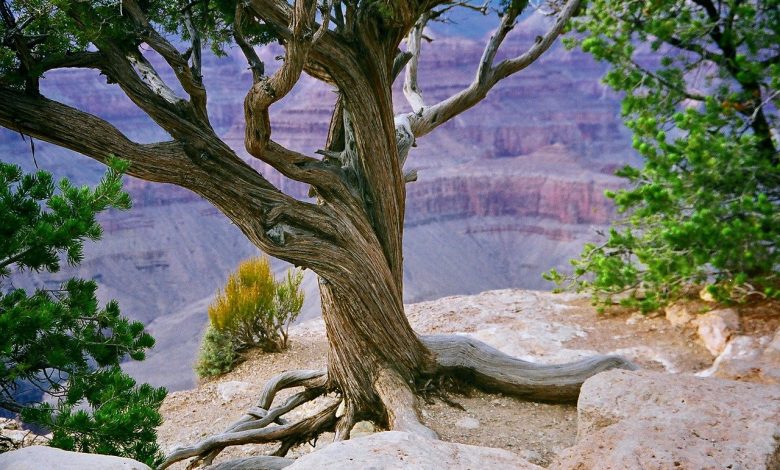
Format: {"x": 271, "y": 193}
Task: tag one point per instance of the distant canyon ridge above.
{"x": 509, "y": 190}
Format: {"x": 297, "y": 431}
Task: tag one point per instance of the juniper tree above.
{"x": 351, "y": 232}
{"x": 701, "y": 85}
{"x": 59, "y": 342}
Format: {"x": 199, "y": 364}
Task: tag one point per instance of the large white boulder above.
{"x": 399, "y": 450}
{"x": 49, "y": 458}
{"x": 643, "y": 420}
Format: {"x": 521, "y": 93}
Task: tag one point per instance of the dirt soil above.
{"x": 523, "y": 323}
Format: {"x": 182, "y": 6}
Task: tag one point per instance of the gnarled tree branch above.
{"x": 411, "y": 87}
{"x": 188, "y": 77}
{"x": 487, "y": 75}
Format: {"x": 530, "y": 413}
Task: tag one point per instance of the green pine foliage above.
{"x": 253, "y": 310}
{"x": 64, "y": 28}
{"x": 701, "y": 90}
{"x": 61, "y": 341}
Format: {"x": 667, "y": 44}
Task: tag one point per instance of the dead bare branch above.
{"x": 189, "y": 77}
{"x": 411, "y": 87}
{"x": 487, "y": 75}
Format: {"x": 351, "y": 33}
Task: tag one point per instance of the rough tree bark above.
{"x": 352, "y": 236}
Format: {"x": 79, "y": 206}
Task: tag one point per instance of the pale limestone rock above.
{"x": 16, "y": 436}
{"x": 12, "y": 436}
{"x": 749, "y": 359}
{"x": 8, "y": 423}
{"x": 706, "y": 296}
{"x": 42, "y": 457}
{"x": 643, "y": 419}
{"x": 362, "y": 429}
{"x": 531, "y": 456}
{"x": 400, "y": 450}
{"x": 679, "y": 314}
{"x": 716, "y": 327}
{"x": 232, "y": 389}
{"x": 773, "y": 348}
{"x": 342, "y": 409}
{"x": 467, "y": 422}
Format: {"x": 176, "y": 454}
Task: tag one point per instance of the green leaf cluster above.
{"x": 700, "y": 94}
{"x": 61, "y": 341}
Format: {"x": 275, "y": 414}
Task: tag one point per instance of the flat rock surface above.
{"x": 42, "y": 457}
{"x": 650, "y": 420}
{"x": 392, "y": 450}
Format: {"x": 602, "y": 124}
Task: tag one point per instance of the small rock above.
{"x": 772, "y": 350}
{"x": 12, "y": 436}
{"x": 15, "y": 436}
{"x": 748, "y": 358}
{"x": 342, "y": 409}
{"x": 635, "y": 318}
{"x": 42, "y": 457}
{"x": 467, "y": 423}
{"x": 716, "y": 327}
{"x": 231, "y": 389}
{"x": 678, "y": 314}
{"x": 8, "y": 423}
{"x": 532, "y": 456}
{"x": 362, "y": 429}
{"x": 706, "y": 295}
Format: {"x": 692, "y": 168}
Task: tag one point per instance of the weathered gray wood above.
{"x": 401, "y": 404}
{"x": 299, "y": 432}
{"x": 259, "y": 416}
{"x": 494, "y": 370}
{"x": 290, "y": 404}
{"x": 289, "y": 379}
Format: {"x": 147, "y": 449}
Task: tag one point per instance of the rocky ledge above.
{"x": 706, "y": 397}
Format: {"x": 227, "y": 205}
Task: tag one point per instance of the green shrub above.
{"x": 60, "y": 341}
{"x": 254, "y": 310}
{"x": 217, "y": 354}
{"x": 701, "y": 103}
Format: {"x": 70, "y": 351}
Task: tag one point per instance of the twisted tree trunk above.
{"x": 352, "y": 236}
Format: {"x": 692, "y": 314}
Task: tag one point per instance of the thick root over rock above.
{"x": 466, "y": 358}
{"x": 252, "y": 428}
{"x": 486, "y": 367}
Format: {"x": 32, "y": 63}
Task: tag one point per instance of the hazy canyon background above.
{"x": 506, "y": 191}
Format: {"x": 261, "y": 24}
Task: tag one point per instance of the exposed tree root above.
{"x": 300, "y": 431}
{"x": 259, "y": 417}
{"x": 489, "y": 368}
{"x": 345, "y": 421}
{"x": 459, "y": 356}
{"x": 251, "y": 428}
{"x": 401, "y": 404}
{"x": 294, "y": 378}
